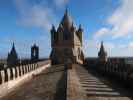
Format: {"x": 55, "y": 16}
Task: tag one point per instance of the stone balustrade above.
{"x": 12, "y": 78}
{"x": 15, "y": 72}
{"x": 18, "y": 71}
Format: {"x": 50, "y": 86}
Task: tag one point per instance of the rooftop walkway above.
{"x": 48, "y": 85}
{"x": 59, "y": 83}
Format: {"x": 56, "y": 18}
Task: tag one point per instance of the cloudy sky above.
{"x": 28, "y": 21}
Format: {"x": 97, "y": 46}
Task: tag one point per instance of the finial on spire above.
{"x": 101, "y": 42}
{"x": 80, "y": 28}
{"x": 66, "y": 11}
{"x": 79, "y": 25}
{"x": 13, "y": 45}
{"x": 102, "y": 47}
{"x": 53, "y": 26}
{"x": 66, "y": 20}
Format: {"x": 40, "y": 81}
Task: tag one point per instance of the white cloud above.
{"x": 60, "y": 3}
{"x": 130, "y": 45}
{"x": 121, "y": 20}
{"x": 107, "y": 45}
{"x": 36, "y": 15}
{"x": 101, "y": 32}
{"x": 39, "y": 17}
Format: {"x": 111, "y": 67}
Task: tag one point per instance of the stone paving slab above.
{"x": 98, "y": 88}
{"x": 74, "y": 90}
{"x": 49, "y": 85}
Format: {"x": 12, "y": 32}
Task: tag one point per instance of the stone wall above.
{"x": 13, "y": 77}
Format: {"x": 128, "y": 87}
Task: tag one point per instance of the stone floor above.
{"x": 48, "y": 85}
{"x": 51, "y": 84}
{"x": 98, "y": 88}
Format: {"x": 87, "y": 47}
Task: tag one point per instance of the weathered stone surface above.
{"x": 7, "y": 87}
{"x": 49, "y": 85}
{"x": 59, "y": 83}
{"x": 97, "y": 87}
{"x": 74, "y": 89}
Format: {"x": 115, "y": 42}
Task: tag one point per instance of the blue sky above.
{"x": 28, "y": 21}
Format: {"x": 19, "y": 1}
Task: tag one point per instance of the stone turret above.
{"x": 102, "y": 54}
{"x": 66, "y": 42}
{"x": 12, "y": 59}
{"x": 34, "y": 53}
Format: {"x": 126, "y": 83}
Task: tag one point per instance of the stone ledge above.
{"x": 12, "y": 84}
{"x": 74, "y": 90}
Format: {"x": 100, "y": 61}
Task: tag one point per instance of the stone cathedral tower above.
{"x": 66, "y": 42}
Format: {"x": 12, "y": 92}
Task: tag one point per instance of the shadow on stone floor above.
{"x": 116, "y": 86}
{"x": 61, "y": 87}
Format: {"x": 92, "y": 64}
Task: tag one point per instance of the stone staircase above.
{"x": 96, "y": 86}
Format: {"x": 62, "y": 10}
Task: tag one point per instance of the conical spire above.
{"x": 102, "y": 50}
{"x": 13, "y": 47}
{"x": 53, "y": 27}
{"x": 80, "y": 28}
{"x": 12, "y": 58}
{"x": 13, "y": 50}
{"x": 66, "y": 11}
{"x": 66, "y": 20}
{"x": 102, "y": 47}
{"x": 102, "y": 53}
{"x": 53, "y": 30}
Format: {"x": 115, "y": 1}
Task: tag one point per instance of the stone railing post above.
{"x": 6, "y": 75}
{"x": 33, "y": 66}
{"x": 16, "y": 72}
{"x": 29, "y": 67}
{"x": 21, "y": 71}
{"x": 24, "y": 69}
{"x": 0, "y": 78}
{"x": 13, "y": 71}
{"x": 3, "y": 76}
{"x": 9, "y": 74}
{"x": 17, "y": 69}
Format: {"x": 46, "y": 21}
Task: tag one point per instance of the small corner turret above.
{"x": 12, "y": 59}
{"x": 102, "y": 54}
{"x": 34, "y": 53}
